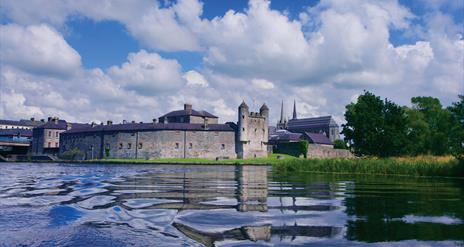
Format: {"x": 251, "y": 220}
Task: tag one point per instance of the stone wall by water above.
{"x": 153, "y": 144}
{"x": 327, "y": 151}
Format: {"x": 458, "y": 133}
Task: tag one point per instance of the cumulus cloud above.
{"x": 37, "y": 48}
{"x": 194, "y": 78}
{"x": 154, "y": 26}
{"x": 262, "y": 83}
{"x": 332, "y": 51}
{"x": 147, "y": 73}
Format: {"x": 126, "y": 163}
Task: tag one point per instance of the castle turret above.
{"x": 252, "y": 134}
{"x": 243, "y": 114}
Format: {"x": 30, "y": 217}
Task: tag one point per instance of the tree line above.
{"x": 380, "y": 127}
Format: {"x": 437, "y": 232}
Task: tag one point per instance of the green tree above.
{"x": 418, "y": 132}
{"x": 429, "y": 117}
{"x": 375, "y": 127}
{"x": 457, "y": 131}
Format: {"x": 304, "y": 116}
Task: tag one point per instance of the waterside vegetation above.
{"x": 430, "y": 166}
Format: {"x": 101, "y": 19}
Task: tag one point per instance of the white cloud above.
{"x": 194, "y": 78}
{"x": 39, "y": 49}
{"x": 147, "y": 73}
{"x": 262, "y": 83}
{"x": 333, "y": 51}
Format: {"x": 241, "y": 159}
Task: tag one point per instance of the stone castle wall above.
{"x": 153, "y": 144}
{"x": 327, "y": 151}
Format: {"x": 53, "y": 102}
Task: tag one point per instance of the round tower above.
{"x": 264, "y": 111}
{"x": 243, "y": 114}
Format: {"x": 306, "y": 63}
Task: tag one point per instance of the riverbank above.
{"x": 271, "y": 160}
{"x": 429, "y": 166}
{"x": 432, "y": 166}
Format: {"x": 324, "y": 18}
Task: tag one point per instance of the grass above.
{"x": 408, "y": 166}
{"x": 441, "y": 166}
{"x": 271, "y": 160}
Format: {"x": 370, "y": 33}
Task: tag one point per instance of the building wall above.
{"x": 154, "y": 144}
{"x": 327, "y": 151}
{"x": 9, "y": 126}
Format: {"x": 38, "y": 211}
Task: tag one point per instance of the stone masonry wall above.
{"x": 327, "y": 151}
{"x": 153, "y": 144}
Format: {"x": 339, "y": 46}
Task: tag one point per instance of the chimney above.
{"x": 133, "y": 121}
{"x": 32, "y": 119}
{"x": 205, "y": 123}
{"x": 49, "y": 119}
{"x": 68, "y": 126}
{"x": 154, "y": 120}
{"x": 93, "y": 124}
{"x": 109, "y": 122}
{"x": 188, "y": 108}
{"x": 55, "y": 119}
{"x": 124, "y": 121}
{"x": 42, "y": 120}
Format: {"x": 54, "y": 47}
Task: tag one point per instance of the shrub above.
{"x": 339, "y": 144}
{"x": 73, "y": 154}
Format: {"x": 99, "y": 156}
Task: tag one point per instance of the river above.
{"x": 192, "y": 205}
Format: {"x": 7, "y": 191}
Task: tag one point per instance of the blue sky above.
{"x": 96, "y": 60}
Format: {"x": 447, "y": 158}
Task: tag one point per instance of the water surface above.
{"x": 191, "y": 205}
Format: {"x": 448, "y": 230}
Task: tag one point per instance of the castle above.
{"x": 184, "y": 133}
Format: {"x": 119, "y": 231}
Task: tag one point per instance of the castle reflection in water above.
{"x": 243, "y": 189}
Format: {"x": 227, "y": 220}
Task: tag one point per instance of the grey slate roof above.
{"x": 61, "y": 125}
{"x": 285, "y": 136}
{"x": 315, "y": 122}
{"x": 318, "y": 138}
{"x": 150, "y": 127}
{"x": 20, "y": 122}
{"x": 180, "y": 113}
{"x": 16, "y": 132}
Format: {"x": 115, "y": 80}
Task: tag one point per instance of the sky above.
{"x": 117, "y": 60}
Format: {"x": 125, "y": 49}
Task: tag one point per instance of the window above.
{"x": 56, "y": 134}
{"x": 56, "y": 144}
{"x": 256, "y": 130}
{"x": 190, "y": 145}
{"x": 49, "y": 144}
{"x": 132, "y": 134}
{"x": 107, "y": 146}
{"x": 243, "y": 116}
{"x": 49, "y": 133}
{"x": 216, "y": 133}
{"x": 177, "y": 132}
{"x": 129, "y": 145}
{"x": 140, "y": 145}
{"x": 177, "y": 145}
{"x": 243, "y": 129}
{"x": 223, "y": 146}
{"x": 120, "y": 145}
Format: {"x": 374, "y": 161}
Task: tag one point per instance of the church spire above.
{"x": 282, "y": 118}
{"x": 294, "y": 109}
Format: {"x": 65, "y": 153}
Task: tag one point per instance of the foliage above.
{"x": 429, "y": 127}
{"x": 73, "y": 154}
{"x": 339, "y": 144}
{"x": 293, "y": 148}
{"x": 457, "y": 131}
{"x": 375, "y": 127}
{"x": 423, "y": 166}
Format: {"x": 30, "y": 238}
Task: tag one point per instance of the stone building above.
{"x": 324, "y": 125}
{"x": 179, "y": 134}
{"x": 21, "y": 124}
{"x": 46, "y": 137}
{"x": 188, "y": 115}
{"x": 252, "y": 130}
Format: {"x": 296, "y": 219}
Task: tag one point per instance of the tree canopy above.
{"x": 382, "y": 128}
